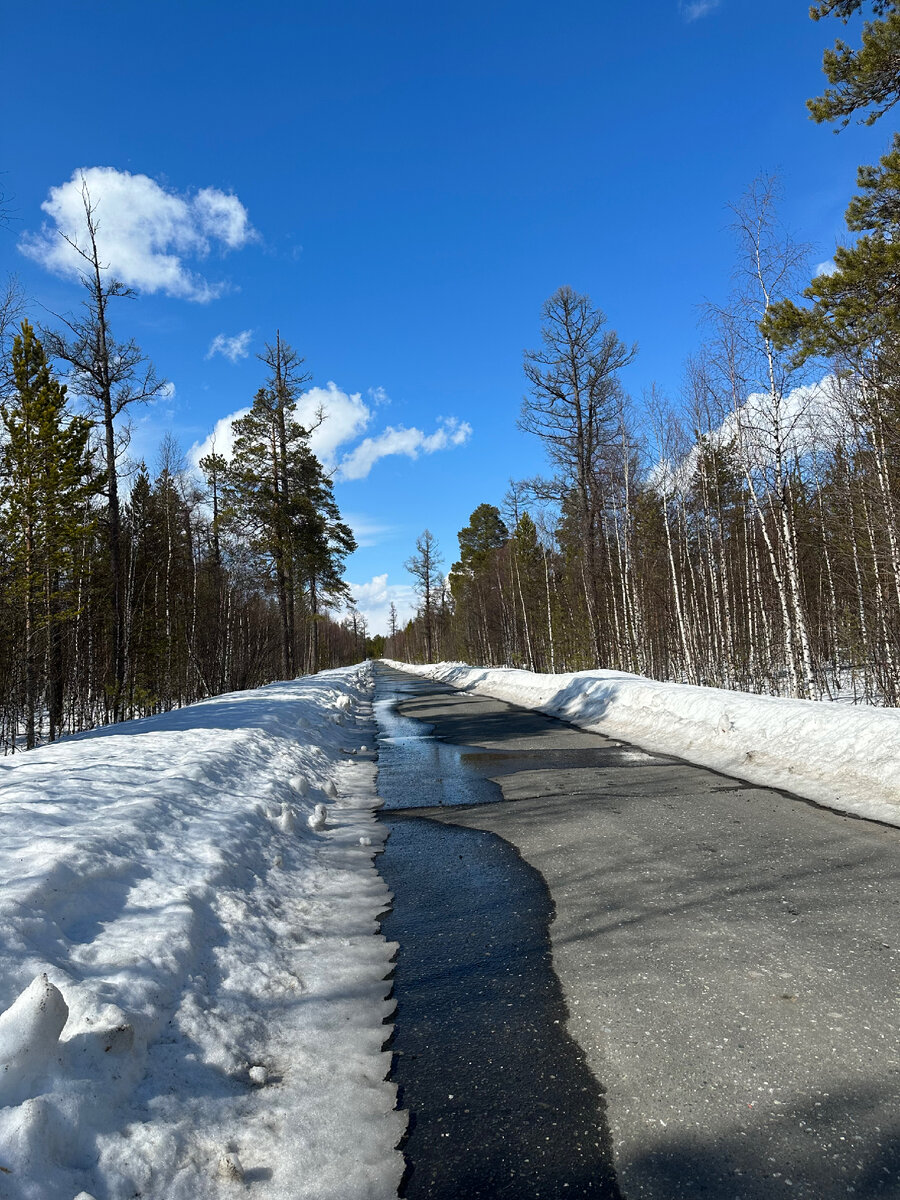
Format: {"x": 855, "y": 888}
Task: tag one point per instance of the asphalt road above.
{"x": 727, "y": 954}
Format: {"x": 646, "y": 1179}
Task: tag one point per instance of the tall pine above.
{"x": 47, "y": 482}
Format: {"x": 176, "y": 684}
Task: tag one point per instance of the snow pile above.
{"x": 192, "y": 984}
{"x": 845, "y": 758}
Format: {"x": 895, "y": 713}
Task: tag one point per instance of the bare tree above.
{"x": 423, "y": 566}
{"x": 574, "y": 407}
{"x": 12, "y": 309}
{"x": 110, "y": 377}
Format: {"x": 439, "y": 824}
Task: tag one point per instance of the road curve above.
{"x": 728, "y": 955}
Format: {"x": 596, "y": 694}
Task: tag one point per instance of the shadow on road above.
{"x": 737, "y": 1167}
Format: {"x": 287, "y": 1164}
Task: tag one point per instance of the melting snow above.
{"x": 192, "y": 984}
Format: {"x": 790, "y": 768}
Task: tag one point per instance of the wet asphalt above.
{"x": 500, "y": 1099}
{"x": 726, "y": 956}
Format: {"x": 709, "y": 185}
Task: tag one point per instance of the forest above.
{"x": 125, "y": 593}
{"x": 745, "y": 533}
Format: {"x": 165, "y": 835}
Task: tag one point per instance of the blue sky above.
{"x": 398, "y": 187}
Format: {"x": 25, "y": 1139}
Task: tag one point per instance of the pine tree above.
{"x": 476, "y": 588}
{"x": 485, "y": 533}
{"x": 258, "y": 501}
{"x": 215, "y": 470}
{"x": 322, "y": 541}
{"x": 47, "y": 482}
{"x": 854, "y": 313}
{"x": 276, "y": 490}
{"x": 864, "y": 78}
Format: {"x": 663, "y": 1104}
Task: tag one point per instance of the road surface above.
{"x": 727, "y": 954}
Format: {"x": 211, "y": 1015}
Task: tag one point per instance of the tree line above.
{"x": 125, "y": 592}
{"x": 746, "y": 535}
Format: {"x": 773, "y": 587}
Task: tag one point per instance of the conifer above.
{"x": 47, "y": 482}
{"x": 863, "y": 78}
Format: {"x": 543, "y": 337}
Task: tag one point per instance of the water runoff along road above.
{"x": 623, "y": 976}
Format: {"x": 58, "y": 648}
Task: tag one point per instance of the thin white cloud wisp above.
{"x": 693, "y": 10}
{"x": 368, "y": 532}
{"x": 232, "y": 348}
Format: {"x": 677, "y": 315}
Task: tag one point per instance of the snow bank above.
{"x": 841, "y": 757}
{"x": 192, "y": 984}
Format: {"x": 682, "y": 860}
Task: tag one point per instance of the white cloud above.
{"x": 231, "y": 347}
{"x": 346, "y": 416}
{"x": 378, "y": 395}
{"x": 826, "y": 268}
{"x": 222, "y": 217}
{"x": 409, "y": 442}
{"x": 366, "y": 531}
{"x": 809, "y": 418}
{"x": 144, "y": 232}
{"x": 693, "y": 10}
{"x": 221, "y": 440}
{"x": 373, "y": 600}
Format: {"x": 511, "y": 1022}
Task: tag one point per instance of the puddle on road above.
{"x": 423, "y": 771}
{"x": 500, "y": 1100}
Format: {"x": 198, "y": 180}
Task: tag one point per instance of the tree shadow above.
{"x": 791, "y": 1156}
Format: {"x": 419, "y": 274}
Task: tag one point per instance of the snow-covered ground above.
{"x": 191, "y": 975}
{"x": 842, "y": 757}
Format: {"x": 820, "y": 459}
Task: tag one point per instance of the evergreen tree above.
{"x": 485, "y": 533}
{"x": 215, "y": 470}
{"x": 276, "y": 490}
{"x": 322, "y": 542}
{"x": 260, "y": 502}
{"x": 143, "y": 527}
{"x": 47, "y": 482}
{"x": 863, "y": 78}
{"x": 854, "y": 313}
{"x": 473, "y": 583}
